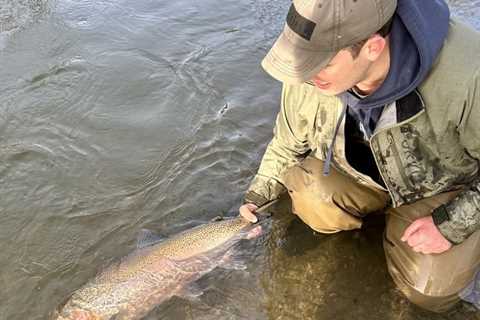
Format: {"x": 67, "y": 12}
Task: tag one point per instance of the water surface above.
{"x": 120, "y": 115}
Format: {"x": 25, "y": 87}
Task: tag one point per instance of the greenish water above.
{"x": 121, "y": 115}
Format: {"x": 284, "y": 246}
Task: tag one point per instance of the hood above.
{"x": 419, "y": 29}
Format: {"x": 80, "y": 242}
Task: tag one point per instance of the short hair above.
{"x": 383, "y": 32}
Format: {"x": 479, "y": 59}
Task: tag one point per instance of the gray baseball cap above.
{"x": 316, "y": 30}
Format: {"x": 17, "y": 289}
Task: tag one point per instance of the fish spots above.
{"x": 134, "y": 285}
{"x": 83, "y": 315}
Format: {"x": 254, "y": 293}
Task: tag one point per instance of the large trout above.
{"x": 133, "y": 286}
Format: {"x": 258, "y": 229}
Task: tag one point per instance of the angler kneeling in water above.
{"x": 380, "y": 111}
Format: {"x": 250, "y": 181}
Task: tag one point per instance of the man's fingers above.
{"x": 246, "y": 212}
{"x": 422, "y": 236}
{"x": 422, "y": 249}
{"x": 417, "y": 248}
{"x": 411, "y": 229}
{"x": 415, "y": 239}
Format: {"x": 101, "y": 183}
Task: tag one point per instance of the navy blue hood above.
{"x": 418, "y": 31}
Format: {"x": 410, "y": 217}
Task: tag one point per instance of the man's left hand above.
{"x": 423, "y": 236}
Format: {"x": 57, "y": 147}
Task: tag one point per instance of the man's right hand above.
{"x": 247, "y": 211}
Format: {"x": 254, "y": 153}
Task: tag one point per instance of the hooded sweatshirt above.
{"x": 419, "y": 28}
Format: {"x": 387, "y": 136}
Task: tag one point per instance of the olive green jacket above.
{"x": 424, "y": 144}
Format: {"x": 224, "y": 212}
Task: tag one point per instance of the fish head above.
{"x": 254, "y": 230}
{"x": 223, "y": 234}
{"x": 240, "y": 228}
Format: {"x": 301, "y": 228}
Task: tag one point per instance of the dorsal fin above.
{"x": 217, "y": 218}
{"x": 147, "y": 238}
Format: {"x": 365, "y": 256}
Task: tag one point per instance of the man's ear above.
{"x": 374, "y": 47}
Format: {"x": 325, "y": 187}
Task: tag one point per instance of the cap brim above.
{"x": 292, "y": 64}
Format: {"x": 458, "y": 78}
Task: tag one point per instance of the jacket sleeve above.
{"x": 288, "y": 146}
{"x": 461, "y": 217}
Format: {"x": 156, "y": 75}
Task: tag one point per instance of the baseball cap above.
{"x": 317, "y": 29}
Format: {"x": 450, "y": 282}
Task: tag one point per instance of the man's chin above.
{"x": 327, "y": 92}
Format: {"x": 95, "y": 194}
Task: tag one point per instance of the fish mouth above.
{"x": 258, "y": 228}
{"x": 255, "y": 232}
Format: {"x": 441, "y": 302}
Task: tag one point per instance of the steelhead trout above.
{"x": 133, "y": 286}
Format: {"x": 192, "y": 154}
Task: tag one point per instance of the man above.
{"x": 380, "y": 111}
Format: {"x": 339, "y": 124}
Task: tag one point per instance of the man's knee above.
{"x": 420, "y": 284}
{"x": 330, "y": 203}
{"x": 431, "y": 281}
{"x": 426, "y": 300}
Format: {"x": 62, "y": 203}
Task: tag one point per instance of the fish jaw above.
{"x": 254, "y": 233}
{"x": 258, "y": 229}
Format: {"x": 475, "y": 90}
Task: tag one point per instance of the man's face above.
{"x": 343, "y": 72}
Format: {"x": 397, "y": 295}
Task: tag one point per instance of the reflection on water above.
{"x": 16, "y": 15}
{"x": 118, "y": 115}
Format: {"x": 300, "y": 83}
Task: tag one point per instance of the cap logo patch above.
{"x": 299, "y": 24}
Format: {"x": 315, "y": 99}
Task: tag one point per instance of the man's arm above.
{"x": 461, "y": 217}
{"x": 287, "y": 147}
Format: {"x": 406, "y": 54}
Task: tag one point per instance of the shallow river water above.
{"x": 120, "y": 115}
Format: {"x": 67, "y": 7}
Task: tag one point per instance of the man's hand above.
{"x": 247, "y": 211}
{"x": 423, "y": 236}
